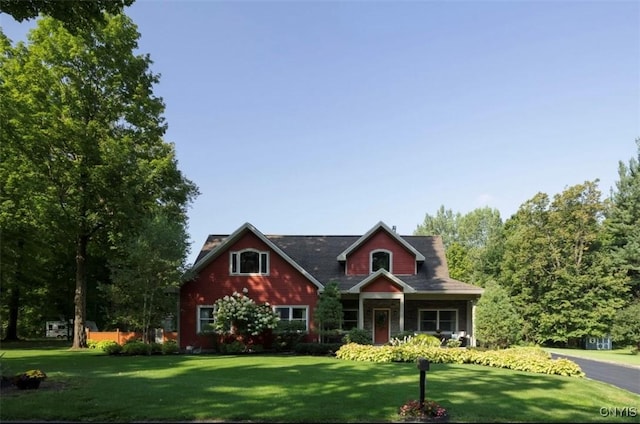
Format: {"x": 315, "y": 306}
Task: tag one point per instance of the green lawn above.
{"x": 621, "y": 356}
{"x": 89, "y": 386}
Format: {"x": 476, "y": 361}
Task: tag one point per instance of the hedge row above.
{"x": 531, "y": 359}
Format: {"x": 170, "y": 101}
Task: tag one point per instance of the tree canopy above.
{"x": 80, "y": 115}
{"x": 74, "y": 14}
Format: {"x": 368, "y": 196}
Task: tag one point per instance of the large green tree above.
{"x": 85, "y": 118}
{"x": 554, "y": 267}
{"x": 498, "y": 323}
{"x": 473, "y": 242}
{"x": 145, "y": 275}
{"x": 623, "y": 223}
{"x": 74, "y": 14}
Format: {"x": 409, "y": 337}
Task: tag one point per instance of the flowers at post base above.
{"x": 29, "y": 379}
{"x": 430, "y": 410}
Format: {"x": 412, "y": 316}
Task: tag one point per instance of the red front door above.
{"x": 380, "y": 326}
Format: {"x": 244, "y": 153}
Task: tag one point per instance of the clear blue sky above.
{"x": 325, "y": 117}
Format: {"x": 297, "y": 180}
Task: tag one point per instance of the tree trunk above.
{"x": 12, "y": 321}
{"x": 14, "y": 297}
{"x": 80, "y": 298}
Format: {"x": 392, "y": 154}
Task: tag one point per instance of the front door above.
{"x": 380, "y": 326}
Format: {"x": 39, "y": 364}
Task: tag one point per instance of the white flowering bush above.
{"x": 239, "y": 315}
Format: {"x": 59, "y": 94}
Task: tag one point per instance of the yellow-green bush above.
{"x": 530, "y": 359}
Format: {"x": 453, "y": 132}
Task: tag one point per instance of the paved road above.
{"x": 624, "y": 376}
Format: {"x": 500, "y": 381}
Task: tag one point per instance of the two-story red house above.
{"x": 389, "y": 283}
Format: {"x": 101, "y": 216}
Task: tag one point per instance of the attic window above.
{"x": 249, "y": 262}
{"x": 380, "y": 259}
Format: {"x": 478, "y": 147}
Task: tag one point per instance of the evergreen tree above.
{"x": 497, "y": 322}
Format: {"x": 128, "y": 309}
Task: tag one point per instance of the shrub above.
{"x": 518, "y": 358}
{"x": 136, "y": 347}
{"x": 109, "y": 347}
{"x": 170, "y": 347}
{"x": 288, "y": 334}
{"x": 317, "y": 349}
{"x": 359, "y": 336}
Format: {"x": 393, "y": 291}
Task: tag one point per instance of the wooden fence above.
{"x": 121, "y": 337}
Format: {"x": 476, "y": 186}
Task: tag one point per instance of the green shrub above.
{"x": 318, "y": 349}
{"x": 359, "y": 336}
{"x": 453, "y": 343}
{"x": 518, "y": 358}
{"x": 288, "y": 334}
{"x": 420, "y": 339}
{"x": 234, "y": 347}
{"x": 136, "y": 347}
{"x": 109, "y": 347}
{"x": 170, "y": 347}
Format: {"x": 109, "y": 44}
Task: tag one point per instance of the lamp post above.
{"x": 423, "y": 366}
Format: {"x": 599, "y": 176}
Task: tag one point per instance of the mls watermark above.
{"x": 619, "y": 411}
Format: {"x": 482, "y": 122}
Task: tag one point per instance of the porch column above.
{"x": 401, "y": 323}
{"x": 360, "y": 312}
{"x": 473, "y": 322}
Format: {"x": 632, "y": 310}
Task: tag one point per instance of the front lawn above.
{"x": 90, "y": 386}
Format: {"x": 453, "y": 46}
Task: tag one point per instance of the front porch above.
{"x": 386, "y": 315}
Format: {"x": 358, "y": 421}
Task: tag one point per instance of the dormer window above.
{"x": 249, "y": 262}
{"x": 380, "y": 259}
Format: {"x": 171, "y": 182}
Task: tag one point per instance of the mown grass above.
{"x": 621, "y": 356}
{"x": 89, "y": 386}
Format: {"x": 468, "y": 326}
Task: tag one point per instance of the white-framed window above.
{"x": 380, "y": 259}
{"x": 432, "y": 320}
{"x": 249, "y": 261}
{"x": 206, "y": 318}
{"x": 349, "y": 319}
{"x": 295, "y": 313}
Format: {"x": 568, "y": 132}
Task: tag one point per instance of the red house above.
{"x": 389, "y": 283}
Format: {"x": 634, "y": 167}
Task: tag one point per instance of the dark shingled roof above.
{"x": 318, "y": 256}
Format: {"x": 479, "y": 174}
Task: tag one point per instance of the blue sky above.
{"x": 325, "y": 117}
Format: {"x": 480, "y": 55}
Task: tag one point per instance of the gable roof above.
{"x": 382, "y": 273}
{"x": 316, "y": 257}
{"x": 380, "y": 225}
{"x": 220, "y": 244}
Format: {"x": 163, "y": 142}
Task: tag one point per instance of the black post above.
{"x": 423, "y": 366}
{"x": 423, "y": 377}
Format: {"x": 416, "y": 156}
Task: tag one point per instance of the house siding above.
{"x": 403, "y": 261}
{"x": 381, "y": 285}
{"x": 284, "y": 285}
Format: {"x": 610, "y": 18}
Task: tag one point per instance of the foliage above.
{"x": 497, "y": 321}
{"x": 473, "y": 242}
{"x": 239, "y": 315}
{"x": 81, "y": 116}
{"x": 34, "y": 374}
{"x": 170, "y": 347}
{"x": 73, "y": 14}
{"x": 110, "y": 347}
{"x": 527, "y": 359}
{"x": 423, "y": 411}
{"x": 328, "y": 312}
{"x": 328, "y": 349}
{"x": 144, "y": 273}
{"x": 288, "y": 334}
{"x": 420, "y": 339}
{"x": 626, "y": 325}
{"x": 622, "y": 226}
{"x": 136, "y": 347}
{"x": 555, "y": 270}
{"x": 358, "y": 335}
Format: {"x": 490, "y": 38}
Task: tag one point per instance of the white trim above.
{"x": 239, "y": 253}
{"x": 198, "y": 318}
{"x": 382, "y": 273}
{"x": 388, "y": 252}
{"x": 291, "y": 307}
{"x": 343, "y": 256}
{"x": 215, "y": 252}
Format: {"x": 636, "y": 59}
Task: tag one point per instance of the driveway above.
{"x": 624, "y": 376}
